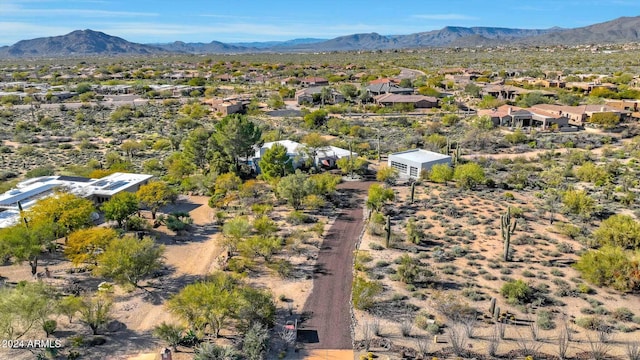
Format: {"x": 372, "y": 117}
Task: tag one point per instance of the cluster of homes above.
{"x": 383, "y": 92}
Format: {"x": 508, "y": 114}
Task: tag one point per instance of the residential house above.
{"x": 28, "y": 192}
{"x": 418, "y": 101}
{"x": 513, "y": 116}
{"x": 311, "y": 95}
{"x": 297, "y": 152}
{"x": 314, "y": 81}
{"x": 502, "y": 92}
{"x": 228, "y": 106}
{"x": 387, "y": 88}
{"x": 579, "y": 115}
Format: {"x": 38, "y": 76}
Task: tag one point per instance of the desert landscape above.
{"x": 365, "y": 197}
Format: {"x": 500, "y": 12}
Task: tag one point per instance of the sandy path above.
{"x": 189, "y": 260}
{"x": 329, "y": 325}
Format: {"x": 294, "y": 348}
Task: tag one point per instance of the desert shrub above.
{"x": 622, "y": 314}
{"x": 619, "y": 230}
{"x": 516, "y": 292}
{"x": 584, "y": 289}
{"x": 545, "y": 320}
{"x": 610, "y": 266}
{"x": 298, "y": 217}
{"x": 590, "y": 322}
{"x": 365, "y": 293}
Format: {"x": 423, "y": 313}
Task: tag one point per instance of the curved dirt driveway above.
{"x": 328, "y": 308}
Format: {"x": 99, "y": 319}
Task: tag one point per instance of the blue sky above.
{"x": 153, "y": 21}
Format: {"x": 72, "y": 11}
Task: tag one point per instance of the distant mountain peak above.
{"x": 91, "y": 42}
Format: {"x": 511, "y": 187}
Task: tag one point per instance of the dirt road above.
{"x": 328, "y": 325}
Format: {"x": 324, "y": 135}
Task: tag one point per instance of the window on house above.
{"x": 413, "y": 171}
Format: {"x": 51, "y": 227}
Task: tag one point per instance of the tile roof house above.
{"x": 314, "y": 81}
{"x": 513, "y": 116}
{"x": 311, "y": 94}
{"x": 579, "y": 115}
{"x": 388, "y": 88}
{"x": 418, "y": 101}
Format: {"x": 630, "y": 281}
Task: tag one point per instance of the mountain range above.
{"x": 95, "y": 43}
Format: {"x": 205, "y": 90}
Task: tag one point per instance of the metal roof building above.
{"x": 411, "y": 162}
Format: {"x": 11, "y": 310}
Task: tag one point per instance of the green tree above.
{"x": 22, "y": 308}
{"x": 469, "y": 175}
{"x": 323, "y": 184}
{"x": 226, "y": 183}
{"x": 275, "y": 163}
{"x": 207, "y": 303}
{"x": 516, "y": 292}
{"x": 264, "y": 246}
{"x": 69, "y": 306}
{"x": 387, "y": 175}
{"x": 196, "y": 146}
{"x": 378, "y": 196}
{"x": 316, "y": 119}
{"x": 120, "y": 207}
{"x": 96, "y": 312}
{"x": 275, "y": 102}
{"x": 235, "y": 231}
{"x": 619, "y": 230}
{"x": 170, "y": 333}
{"x": 588, "y": 171}
{"x": 131, "y": 147}
{"x": 155, "y": 195}
{"x": 237, "y": 135}
{"x": 84, "y": 246}
{"x": 348, "y": 165}
{"x": 578, "y": 202}
{"x": 67, "y": 212}
{"x": 450, "y": 119}
{"x": 441, "y": 173}
{"x": 532, "y": 98}
{"x": 611, "y": 266}
{"x": 607, "y": 120}
{"x": 129, "y": 260}
{"x": 22, "y": 243}
{"x": 293, "y": 188}
{"x": 312, "y": 143}
{"x": 178, "y": 166}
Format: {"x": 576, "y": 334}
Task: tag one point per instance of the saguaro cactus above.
{"x": 507, "y": 229}
{"x": 387, "y": 228}
{"x": 456, "y": 155}
{"x": 413, "y": 191}
{"x": 492, "y": 306}
{"x": 496, "y": 313}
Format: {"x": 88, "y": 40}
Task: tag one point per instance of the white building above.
{"x": 28, "y": 192}
{"x": 411, "y": 162}
{"x": 325, "y": 156}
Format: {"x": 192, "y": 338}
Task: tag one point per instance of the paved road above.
{"x": 328, "y": 307}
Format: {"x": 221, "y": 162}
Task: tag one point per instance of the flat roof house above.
{"x": 325, "y": 156}
{"x": 30, "y": 191}
{"x": 411, "y": 162}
